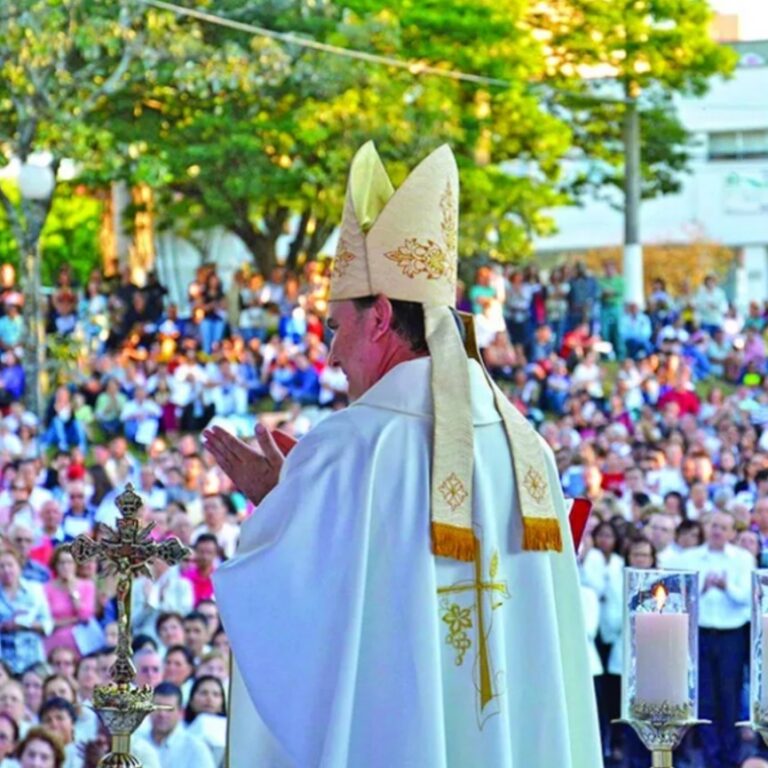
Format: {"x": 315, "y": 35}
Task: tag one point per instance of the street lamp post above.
{"x": 36, "y": 184}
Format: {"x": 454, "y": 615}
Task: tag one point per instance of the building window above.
{"x": 738, "y": 145}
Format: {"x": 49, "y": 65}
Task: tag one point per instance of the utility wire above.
{"x": 414, "y": 67}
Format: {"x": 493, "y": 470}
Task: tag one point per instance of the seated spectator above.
{"x": 9, "y": 738}
{"x": 141, "y": 418}
{"x": 109, "y": 407}
{"x": 58, "y": 717}
{"x": 12, "y": 705}
{"x": 196, "y": 634}
{"x": 40, "y": 748}
{"x": 64, "y": 430}
{"x": 179, "y": 668}
{"x": 149, "y": 667}
{"x": 216, "y": 522}
{"x": 80, "y": 516}
{"x": 24, "y": 615}
{"x": 174, "y": 745}
{"x": 170, "y": 629}
{"x": 206, "y": 714}
{"x": 23, "y": 539}
{"x": 636, "y": 331}
{"x": 167, "y": 592}
{"x": 72, "y": 602}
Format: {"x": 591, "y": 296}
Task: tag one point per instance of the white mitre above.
{"x": 403, "y": 244}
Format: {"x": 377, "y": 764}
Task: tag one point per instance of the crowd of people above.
{"x": 655, "y": 414}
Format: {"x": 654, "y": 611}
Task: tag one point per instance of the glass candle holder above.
{"x": 758, "y": 683}
{"x": 660, "y": 681}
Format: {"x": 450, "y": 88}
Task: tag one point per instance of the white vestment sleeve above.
{"x": 299, "y": 574}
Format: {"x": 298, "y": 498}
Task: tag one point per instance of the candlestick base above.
{"x": 758, "y": 726}
{"x": 661, "y": 737}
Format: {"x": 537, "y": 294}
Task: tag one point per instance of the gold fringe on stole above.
{"x": 450, "y": 541}
{"x": 541, "y": 534}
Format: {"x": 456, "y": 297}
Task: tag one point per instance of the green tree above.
{"x": 60, "y": 62}
{"x": 288, "y": 145}
{"x": 644, "y": 50}
{"x": 71, "y": 234}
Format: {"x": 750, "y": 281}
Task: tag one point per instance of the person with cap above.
{"x": 406, "y": 592}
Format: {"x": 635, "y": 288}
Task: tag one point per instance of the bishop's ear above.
{"x": 381, "y": 314}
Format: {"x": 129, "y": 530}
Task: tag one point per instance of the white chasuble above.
{"x": 356, "y": 647}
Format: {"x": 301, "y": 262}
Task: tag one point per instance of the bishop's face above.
{"x": 351, "y": 349}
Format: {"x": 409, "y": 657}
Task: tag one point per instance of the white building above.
{"x": 725, "y": 197}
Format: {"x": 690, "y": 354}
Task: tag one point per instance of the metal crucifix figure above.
{"x": 127, "y": 552}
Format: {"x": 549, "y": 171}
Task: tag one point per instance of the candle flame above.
{"x": 660, "y": 595}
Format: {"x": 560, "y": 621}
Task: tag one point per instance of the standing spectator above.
{"x": 582, "y": 299}
{"x": 725, "y": 589}
{"x": 72, "y": 601}
{"x": 556, "y": 304}
{"x": 517, "y": 310}
{"x": 611, "y": 301}
{"x": 24, "y": 615}
{"x": 175, "y": 747}
{"x": 213, "y": 323}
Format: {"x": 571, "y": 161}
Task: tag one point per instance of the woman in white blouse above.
{"x": 603, "y": 571}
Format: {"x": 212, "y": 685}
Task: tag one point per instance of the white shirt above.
{"x": 606, "y": 579}
{"x": 182, "y": 749}
{"x": 227, "y": 537}
{"x": 718, "y": 608}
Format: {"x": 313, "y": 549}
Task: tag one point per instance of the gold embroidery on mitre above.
{"x": 415, "y": 257}
{"x": 344, "y": 258}
{"x": 448, "y": 224}
{"x": 453, "y": 491}
{"x": 535, "y": 484}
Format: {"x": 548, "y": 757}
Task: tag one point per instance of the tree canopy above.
{"x": 235, "y": 130}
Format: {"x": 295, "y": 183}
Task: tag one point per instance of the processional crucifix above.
{"x": 127, "y": 553}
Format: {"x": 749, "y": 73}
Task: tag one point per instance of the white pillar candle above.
{"x": 661, "y": 674}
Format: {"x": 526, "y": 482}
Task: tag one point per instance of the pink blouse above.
{"x": 63, "y": 607}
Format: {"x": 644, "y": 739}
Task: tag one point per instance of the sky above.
{"x": 753, "y": 16}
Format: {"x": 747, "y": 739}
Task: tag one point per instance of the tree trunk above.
{"x": 298, "y": 242}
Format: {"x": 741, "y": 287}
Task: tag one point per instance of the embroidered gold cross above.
{"x": 458, "y": 636}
